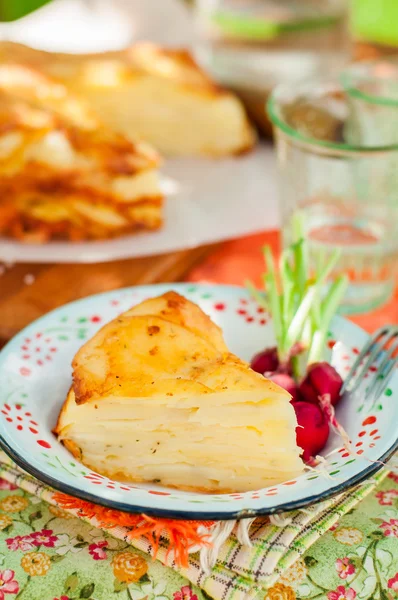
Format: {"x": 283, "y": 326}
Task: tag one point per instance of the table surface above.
{"x": 29, "y": 291}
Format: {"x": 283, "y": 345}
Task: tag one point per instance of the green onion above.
{"x": 300, "y": 309}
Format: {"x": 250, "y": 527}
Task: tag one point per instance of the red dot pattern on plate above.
{"x": 345, "y": 455}
{"x": 374, "y": 431}
{"x": 355, "y": 350}
{"x": 156, "y": 493}
{"x": 252, "y": 312}
{"x": 360, "y": 452}
{"x": 331, "y": 344}
{"x": 42, "y": 350}
{"x": 220, "y": 306}
{"x": 44, "y": 444}
{"x": 25, "y": 372}
{"x": 361, "y": 433}
{"x": 369, "y": 421}
{"x": 95, "y": 319}
{"x": 7, "y": 410}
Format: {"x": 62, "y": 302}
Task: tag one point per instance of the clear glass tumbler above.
{"x": 372, "y": 93}
{"x": 346, "y": 194}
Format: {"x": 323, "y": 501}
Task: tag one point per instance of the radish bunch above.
{"x": 321, "y": 379}
{"x": 302, "y": 303}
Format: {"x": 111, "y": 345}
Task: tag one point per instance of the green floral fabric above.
{"x": 356, "y": 559}
{"x": 45, "y": 554}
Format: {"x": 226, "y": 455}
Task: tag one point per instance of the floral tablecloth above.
{"x": 47, "y": 555}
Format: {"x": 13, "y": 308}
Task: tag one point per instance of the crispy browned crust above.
{"x": 26, "y": 182}
{"x": 69, "y": 398}
{"x": 15, "y": 224}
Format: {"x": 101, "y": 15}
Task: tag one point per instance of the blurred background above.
{"x": 313, "y": 80}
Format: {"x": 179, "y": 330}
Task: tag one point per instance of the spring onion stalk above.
{"x": 296, "y": 299}
{"x": 329, "y": 308}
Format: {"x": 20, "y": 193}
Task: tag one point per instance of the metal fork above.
{"x": 373, "y": 350}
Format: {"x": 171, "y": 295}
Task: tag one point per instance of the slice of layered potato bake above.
{"x": 158, "y": 94}
{"x": 157, "y": 397}
{"x": 63, "y": 175}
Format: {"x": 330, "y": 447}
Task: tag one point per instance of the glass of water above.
{"x": 345, "y": 192}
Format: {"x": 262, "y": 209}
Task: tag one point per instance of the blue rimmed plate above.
{"x": 35, "y": 375}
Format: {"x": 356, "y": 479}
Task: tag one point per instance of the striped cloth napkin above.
{"x": 242, "y": 560}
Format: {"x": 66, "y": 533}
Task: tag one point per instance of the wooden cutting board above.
{"x": 29, "y": 291}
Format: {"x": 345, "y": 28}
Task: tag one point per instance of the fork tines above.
{"x": 382, "y": 346}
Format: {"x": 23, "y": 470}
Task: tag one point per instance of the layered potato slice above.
{"x": 157, "y": 397}
{"x": 159, "y": 94}
{"x": 64, "y": 175}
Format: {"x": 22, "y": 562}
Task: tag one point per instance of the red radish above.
{"x": 313, "y": 430}
{"x": 266, "y": 361}
{"x": 287, "y": 383}
{"x": 321, "y": 379}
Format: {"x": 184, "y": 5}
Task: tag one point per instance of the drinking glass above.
{"x": 345, "y": 194}
{"x": 372, "y": 93}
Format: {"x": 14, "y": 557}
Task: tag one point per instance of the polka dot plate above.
{"x": 35, "y": 374}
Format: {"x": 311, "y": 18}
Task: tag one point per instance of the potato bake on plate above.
{"x": 63, "y": 175}
{"x": 158, "y": 397}
{"x": 160, "y": 95}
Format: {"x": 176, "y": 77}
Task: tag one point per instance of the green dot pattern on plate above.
{"x": 350, "y": 461}
{"x": 334, "y": 472}
{"x": 388, "y": 392}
